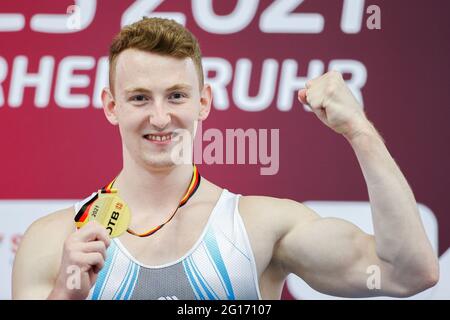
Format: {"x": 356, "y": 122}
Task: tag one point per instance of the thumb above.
{"x": 302, "y": 96}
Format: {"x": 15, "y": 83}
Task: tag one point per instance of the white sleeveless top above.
{"x": 219, "y": 266}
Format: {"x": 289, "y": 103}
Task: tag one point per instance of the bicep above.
{"x": 335, "y": 257}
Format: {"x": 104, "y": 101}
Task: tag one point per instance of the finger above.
{"x": 95, "y": 246}
{"x": 313, "y": 82}
{"x": 315, "y": 95}
{"x": 302, "y": 96}
{"x": 94, "y": 260}
{"x": 309, "y": 98}
{"x": 314, "y": 99}
{"x": 93, "y": 231}
{"x": 320, "y": 113}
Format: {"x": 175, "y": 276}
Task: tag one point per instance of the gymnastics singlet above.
{"x": 219, "y": 266}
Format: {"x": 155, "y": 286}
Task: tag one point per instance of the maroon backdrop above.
{"x": 57, "y": 153}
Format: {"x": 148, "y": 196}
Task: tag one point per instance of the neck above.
{"x": 145, "y": 189}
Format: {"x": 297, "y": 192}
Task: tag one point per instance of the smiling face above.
{"x": 155, "y": 97}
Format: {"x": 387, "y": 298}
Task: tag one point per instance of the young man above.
{"x": 218, "y": 245}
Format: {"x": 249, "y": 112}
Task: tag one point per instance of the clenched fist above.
{"x": 333, "y": 103}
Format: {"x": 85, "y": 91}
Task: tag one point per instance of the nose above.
{"x": 159, "y": 118}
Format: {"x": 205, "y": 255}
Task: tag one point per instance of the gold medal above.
{"x": 110, "y": 211}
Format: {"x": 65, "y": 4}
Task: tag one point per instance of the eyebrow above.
{"x": 137, "y": 89}
{"x": 180, "y": 86}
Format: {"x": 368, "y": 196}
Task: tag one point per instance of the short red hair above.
{"x": 156, "y": 35}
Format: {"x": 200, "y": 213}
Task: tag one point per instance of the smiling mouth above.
{"x": 160, "y": 138}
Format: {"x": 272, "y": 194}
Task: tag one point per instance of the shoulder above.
{"x": 37, "y": 260}
{"x": 280, "y": 214}
{"x": 283, "y": 208}
{"x": 53, "y": 225}
{"x": 44, "y": 238}
{"x": 47, "y": 234}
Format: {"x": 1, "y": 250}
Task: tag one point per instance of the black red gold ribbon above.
{"x": 83, "y": 213}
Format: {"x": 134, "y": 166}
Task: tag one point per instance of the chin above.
{"x": 159, "y": 161}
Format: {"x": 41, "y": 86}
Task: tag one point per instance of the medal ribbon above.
{"x": 193, "y": 186}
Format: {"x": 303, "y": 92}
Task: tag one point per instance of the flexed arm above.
{"x": 332, "y": 254}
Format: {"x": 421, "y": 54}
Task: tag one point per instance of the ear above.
{"x": 205, "y": 102}
{"x": 109, "y": 106}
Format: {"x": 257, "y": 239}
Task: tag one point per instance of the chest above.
{"x": 174, "y": 240}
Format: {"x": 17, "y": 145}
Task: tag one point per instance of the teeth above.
{"x": 158, "y": 138}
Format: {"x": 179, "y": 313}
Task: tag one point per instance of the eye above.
{"x": 177, "y": 96}
{"x": 139, "y": 98}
